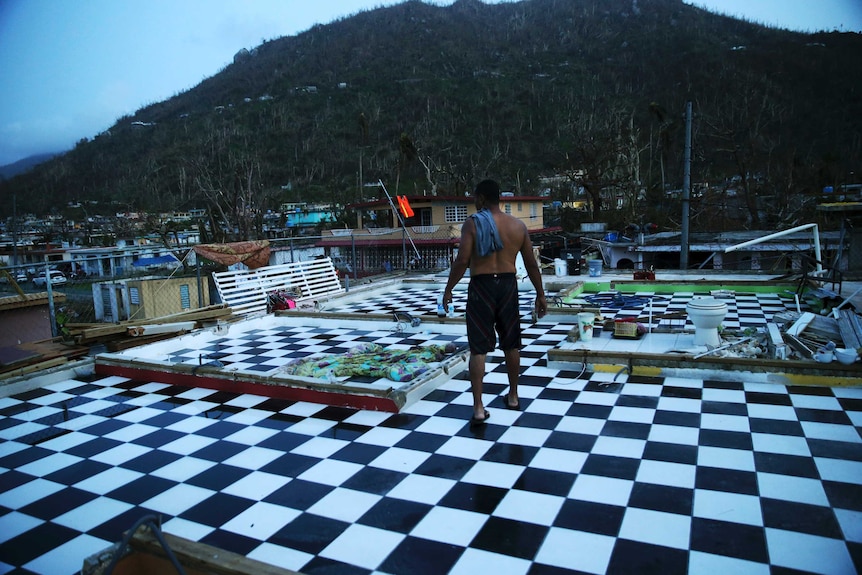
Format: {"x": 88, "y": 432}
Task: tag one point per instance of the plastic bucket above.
{"x": 595, "y": 268}
{"x": 585, "y": 325}
{"x": 559, "y": 267}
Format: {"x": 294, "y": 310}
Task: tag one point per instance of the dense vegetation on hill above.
{"x": 431, "y": 99}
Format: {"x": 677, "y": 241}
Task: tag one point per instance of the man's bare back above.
{"x": 513, "y": 234}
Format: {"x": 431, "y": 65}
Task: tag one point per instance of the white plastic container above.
{"x": 559, "y": 267}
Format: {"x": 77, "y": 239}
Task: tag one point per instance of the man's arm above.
{"x": 462, "y": 260}
{"x": 535, "y": 274}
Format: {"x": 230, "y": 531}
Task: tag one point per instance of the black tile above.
{"x": 731, "y": 539}
{"x": 670, "y": 452}
{"x": 420, "y": 557}
{"x": 290, "y": 465}
{"x": 793, "y": 465}
{"x": 158, "y": 438}
{"x": 545, "y": 481}
{"x": 232, "y": 542}
{"x": 24, "y": 456}
{"x": 610, "y": 466}
{"x": 571, "y": 441}
{"x": 727, "y": 480}
{"x": 35, "y": 543}
{"x": 776, "y": 427}
{"x": 360, "y": 452}
{"x": 676, "y": 418}
{"x": 719, "y": 384}
{"x": 510, "y": 537}
{"x": 725, "y": 439}
{"x": 631, "y": 557}
{"x": 681, "y": 392}
{"x": 114, "y": 528}
{"x": 590, "y": 517}
{"x": 835, "y": 449}
{"x": 643, "y": 402}
{"x": 395, "y": 515}
{"x": 105, "y": 427}
{"x": 58, "y": 503}
{"x": 801, "y": 517}
{"x": 823, "y": 416}
{"x": 445, "y": 466}
{"x": 150, "y": 461}
{"x": 374, "y": 480}
{"x": 219, "y": 429}
{"x": 410, "y": 421}
{"x": 323, "y": 566}
{"x": 662, "y": 498}
{"x": 724, "y": 408}
{"x": 844, "y": 495}
{"x": 309, "y": 533}
{"x": 141, "y": 489}
{"x": 534, "y": 420}
{"x": 474, "y": 497}
{"x": 626, "y": 429}
{"x": 426, "y": 442}
{"x": 218, "y": 477}
{"x": 810, "y": 390}
{"x": 11, "y": 479}
{"x": 510, "y": 453}
{"x": 284, "y": 441}
{"x": 77, "y": 472}
{"x": 298, "y": 494}
{"x": 756, "y": 397}
{"x": 590, "y": 411}
{"x": 217, "y": 509}
{"x": 219, "y": 451}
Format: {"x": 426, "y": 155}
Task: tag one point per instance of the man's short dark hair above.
{"x": 490, "y": 190}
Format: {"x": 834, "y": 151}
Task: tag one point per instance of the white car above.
{"x": 57, "y": 278}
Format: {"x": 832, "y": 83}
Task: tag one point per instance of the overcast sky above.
{"x": 70, "y": 68}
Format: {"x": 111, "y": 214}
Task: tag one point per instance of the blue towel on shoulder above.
{"x": 487, "y": 237}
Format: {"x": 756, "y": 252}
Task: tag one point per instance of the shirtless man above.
{"x": 492, "y": 296}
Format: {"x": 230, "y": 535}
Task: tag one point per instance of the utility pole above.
{"x": 686, "y": 191}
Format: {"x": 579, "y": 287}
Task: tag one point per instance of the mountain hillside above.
{"x": 430, "y": 99}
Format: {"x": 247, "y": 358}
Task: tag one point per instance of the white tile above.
{"x": 249, "y": 416}
{"x": 642, "y": 389}
{"x": 140, "y": 414}
{"x": 21, "y": 430}
{"x": 830, "y": 431}
{"x": 251, "y": 435}
{"x": 14, "y": 524}
{"x": 707, "y": 564}
{"x": 788, "y": 488}
{"x": 71, "y": 553}
{"x": 131, "y": 432}
{"x": 261, "y": 521}
{"x": 400, "y": 460}
{"x": 312, "y": 426}
{"x": 582, "y": 425}
{"x": 108, "y": 480}
{"x": 723, "y": 395}
{"x": 188, "y": 444}
{"x": 815, "y": 402}
{"x": 730, "y": 507}
{"x": 609, "y": 490}
{"x": 723, "y": 422}
{"x": 256, "y": 485}
{"x": 448, "y": 525}
{"x": 67, "y": 441}
{"x": 187, "y": 529}
{"x": 656, "y": 527}
{"x": 92, "y": 514}
{"x": 330, "y": 472}
{"x": 681, "y": 404}
{"x": 525, "y": 436}
{"x": 494, "y": 474}
{"x": 576, "y": 550}
{"x": 619, "y": 447}
{"x": 673, "y": 434}
{"x": 49, "y": 464}
{"x": 548, "y": 406}
{"x": 850, "y": 521}
{"x": 254, "y": 457}
{"x": 28, "y": 493}
{"x": 282, "y": 557}
{"x": 667, "y": 473}
{"x": 561, "y": 460}
{"x": 320, "y": 447}
{"x": 183, "y": 469}
{"x": 447, "y": 426}
{"x": 525, "y": 506}
{"x": 177, "y": 499}
{"x": 725, "y": 458}
{"x": 782, "y": 444}
{"x": 839, "y": 470}
{"x": 382, "y": 436}
{"x": 344, "y": 504}
{"x": 465, "y": 447}
{"x": 422, "y": 489}
{"x": 474, "y": 561}
{"x": 352, "y": 546}
{"x": 805, "y": 552}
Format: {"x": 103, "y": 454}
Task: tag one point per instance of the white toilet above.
{"x": 706, "y": 313}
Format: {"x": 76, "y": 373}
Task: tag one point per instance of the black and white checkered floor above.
{"x": 637, "y": 475}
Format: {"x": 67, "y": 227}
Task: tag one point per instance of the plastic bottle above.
{"x": 441, "y": 311}
{"x": 451, "y": 312}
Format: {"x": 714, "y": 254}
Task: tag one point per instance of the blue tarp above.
{"x": 168, "y": 259}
